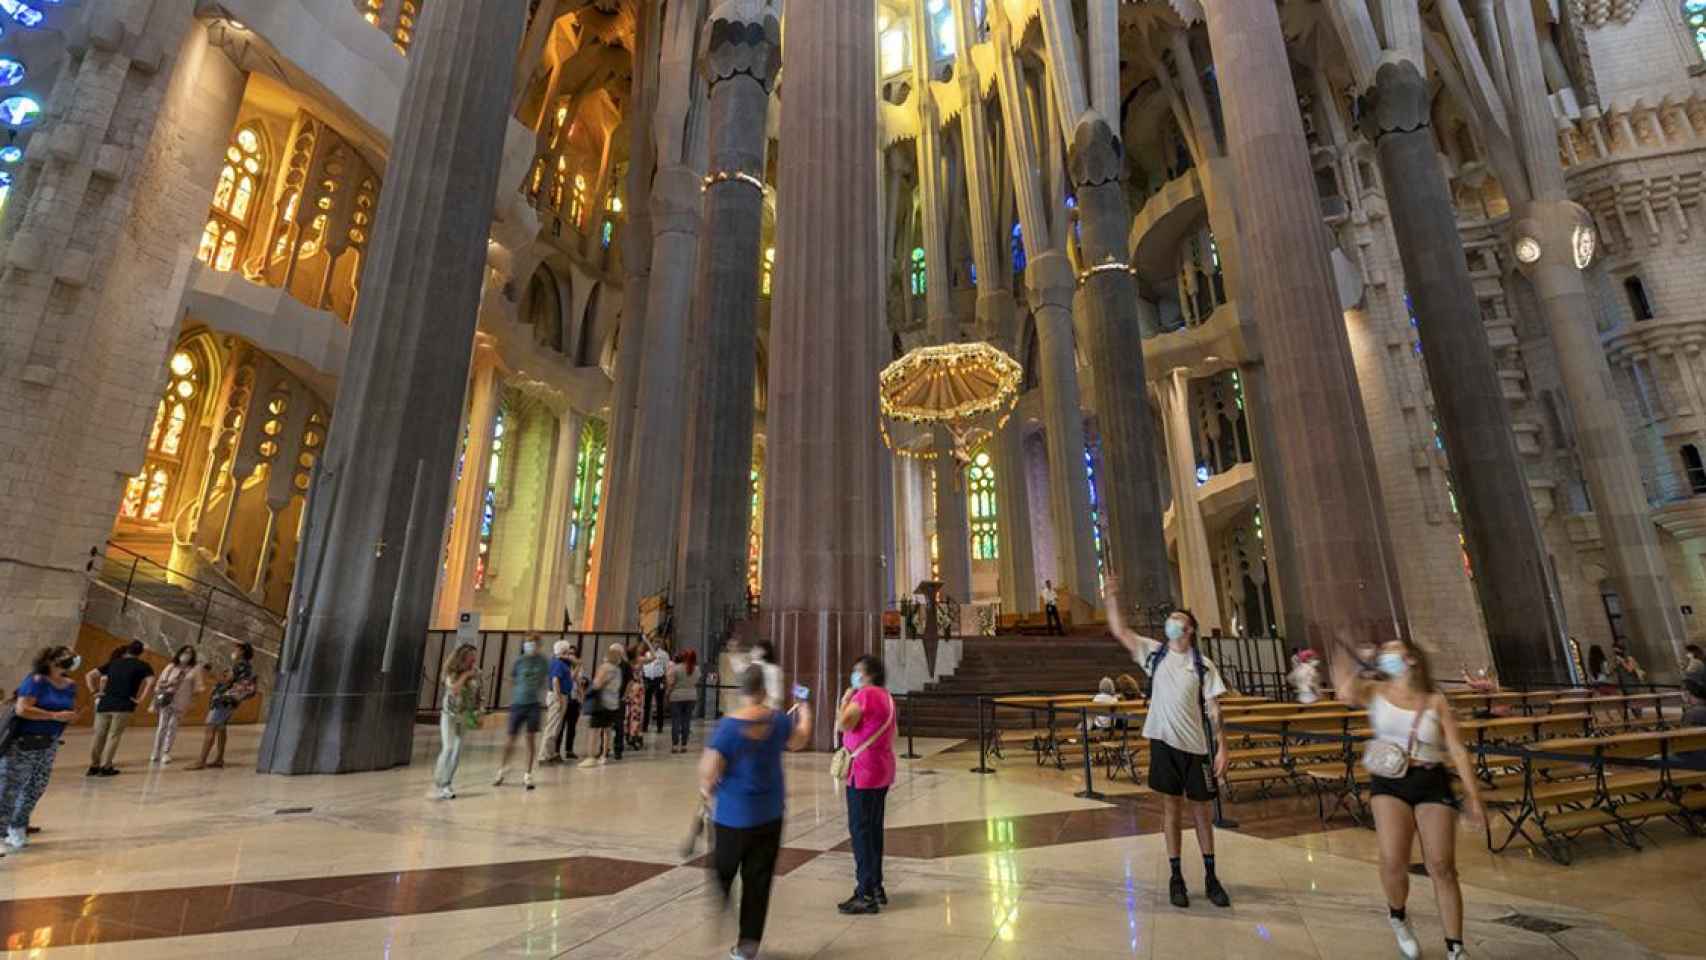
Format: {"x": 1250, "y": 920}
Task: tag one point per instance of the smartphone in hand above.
{"x": 802, "y": 693}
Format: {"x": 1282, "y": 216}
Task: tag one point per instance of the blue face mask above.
{"x": 1174, "y": 629}
{"x": 857, "y": 680}
{"x": 1392, "y": 664}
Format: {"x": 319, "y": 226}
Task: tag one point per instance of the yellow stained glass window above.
{"x": 240, "y": 182}
{"x": 131, "y": 507}
{"x": 174, "y": 429}
{"x": 154, "y": 502}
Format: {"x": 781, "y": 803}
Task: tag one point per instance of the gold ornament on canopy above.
{"x": 968, "y": 389}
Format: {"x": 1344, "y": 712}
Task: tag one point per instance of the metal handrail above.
{"x": 137, "y": 559}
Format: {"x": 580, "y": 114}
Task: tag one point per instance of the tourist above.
{"x": 683, "y": 689}
{"x": 458, "y": 712}
{"x": 1106, "y": 693}
{"x": 228, "y": 695}
{"x": 1305, "y": 677}
{"x": 1408, "y": 713}
{"x": 179, "y": 684}
{"x": 124, "y": 684}
{"x": 1627, "y": 672}
{"x": 1599, "y": 672}
{"x": 654, "y": 672}
{"x": 1185, "y": 688}
{"x": 604, "y": 699}
{"x": 1129, "y": 689}
{"x": 1051, "y": 607}
{"x": 526, "y": 696}
{"x": 633, "y": 700}
{"x": 47, "y": 701}
{"x": 762, "y": 655}
{"x": 1694, "y": 662}
{"x": 559, "y": 702}
{"x": 740, "y": 779}
{"x": 866, "y": 722}
{"x": 92, "y": 679}
{"x": 1694, "y": 703}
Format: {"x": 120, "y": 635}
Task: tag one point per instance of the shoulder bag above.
{"x": 1383, "y": 758}
{"x": 841, "y": 761}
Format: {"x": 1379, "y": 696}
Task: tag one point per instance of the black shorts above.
{"x": 603, "y": 719}
{"x": 1177, "y": 773}
{"x": 1417, "y": 786}
{"x": 524, "y": 713}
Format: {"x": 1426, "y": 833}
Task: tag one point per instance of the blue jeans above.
{"x": 865, "y": 823}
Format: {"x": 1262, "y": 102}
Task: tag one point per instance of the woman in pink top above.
{"x": 867, "y": 724}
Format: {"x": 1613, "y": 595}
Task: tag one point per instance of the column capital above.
{"x": 1095, "y": 155}
{"x": 1050, "y": 279}
{"x": 742, "y": 38}
{"x": 1397, "y": 102}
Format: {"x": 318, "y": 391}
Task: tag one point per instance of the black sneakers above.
{"x": 857, "y": 904}
{"x": 1217, "y": 893}
{"x": 1176, "y": 892}
{"x": 882, "y": 896}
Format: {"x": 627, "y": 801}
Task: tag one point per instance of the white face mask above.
{"x": 529, "y": 647}
{"x": 184, "y": 659}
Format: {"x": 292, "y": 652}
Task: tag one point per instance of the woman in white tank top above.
{"x": 1406, "y": 711}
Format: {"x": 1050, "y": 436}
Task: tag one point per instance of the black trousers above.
{"x": 750, "y": 852}
{"x": 654, "y": 692}
{"x": 680, "y": 722}
{"x": 571, "y": 719}
{"x": 1054, "y": 619}
{"x": 865, "y": 822}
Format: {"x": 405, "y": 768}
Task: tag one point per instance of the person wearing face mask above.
{"x": 47, "y": 701}
{"x": 179, "y": 684}
{"x": 1407, "y": 713}
{"x": 526, "y": 707}
{"x": 866, "y": 722}
{"x": 1185, "y": 688}
{"x": 761, "y": 655}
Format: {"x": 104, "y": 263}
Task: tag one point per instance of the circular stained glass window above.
{"x": 22, "y": 12}
{"x": 11, "y": 154}
{"x": 12, "y": 72}
{"x": 19, "y": 111}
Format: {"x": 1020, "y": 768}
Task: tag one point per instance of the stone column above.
{"x": 350, "y": 672}
{"x": 1196, "y": 563}
{"x": 1050, "y": 279}
{"x": 555, "y": 558}
{"x": 1320, "y": 437}
{"x": 1114, "y": 325}
{"x": 455, "y": 592}
{"x": 823, "y": 563}
{"x": 1499, "y": 527}
{"x": 741, "y": 59}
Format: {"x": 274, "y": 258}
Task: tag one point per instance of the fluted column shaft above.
{"x": 349, "y": 675}
{"x": 1499, "y": 526}
{"x": 461, "y": 550}
{"x": 1050, "y": 279}
{"x": 741, "y": 59}
{"x": 823, "y": 541}
{"x": 1322, "y": 456}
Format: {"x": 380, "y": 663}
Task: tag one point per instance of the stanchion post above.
{"x": 982, "y": 744}
{"x": 910, "y": 754}
{"x": 1089, "y": 792}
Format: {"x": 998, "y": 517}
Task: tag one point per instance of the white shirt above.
{"x": 655, "y": 666}
{"x": 773, "y": 694}
{"x": 1175, "y": 711}
{"x": 1103, "y": 720}
{"x": 1050, "y": 598}
{"x": 1393, "y": 724}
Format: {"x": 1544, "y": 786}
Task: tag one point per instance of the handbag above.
{"x": 1383, "y": 758}
{"x": 841, "y": 761}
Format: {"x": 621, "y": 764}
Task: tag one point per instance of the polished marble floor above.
{"x": 226, "y": 863}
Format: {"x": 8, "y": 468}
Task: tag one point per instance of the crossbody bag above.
{"x": 1383, "y": 758}
{"x": 841, "y": 761}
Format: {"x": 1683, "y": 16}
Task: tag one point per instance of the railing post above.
{"x": 1089, "y": 792}
{"x": 498, "y": 681}
{"x": 910, "y": 753}
{"x": 982, "y": 742}
{"x": 128, "y": 583}
{"x": 201, "y": 628}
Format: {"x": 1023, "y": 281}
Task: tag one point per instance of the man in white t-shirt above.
{"x": 1051, "y": 606}
{"x": 1183, "y": 684}
{"x": 654, "y": 671}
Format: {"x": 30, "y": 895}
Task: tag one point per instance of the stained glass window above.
{"x": 1018, "y": 250}
{"x": 919, "y": 277}
{"x": 1095, "y": 506}
{"x": 767, "y": 271}
{"x": 755, "y": 536}
{"x": 894, "y": 50}
{"x": 980, "y": 486}
{"x": 146, "y": 495}
{"x": 234, "y": 195}
{"x": 1694, "y": 16}
{"x": 489, "y": 503}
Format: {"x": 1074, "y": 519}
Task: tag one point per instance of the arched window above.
{"x": 1696, "y": 470}
{"x": 767, "y": 271}
{"x": 557, "y": 181}
{"x": 146, "y": 495}
{"x": 234, "y": 197}
{"x": 577, "y": 202}
{"x": 755, "y": 537}
{"x": 893, "y": 50}
{"x": 942, "y": 27}
{"x": 489, "y": 503}
{"x": 919, "y": 277}
{"x": 1694, "y": 17}
{"x": 1018, "y": 250}
{"x": 1635, "y": 290}
{"x": 980, "y": 489}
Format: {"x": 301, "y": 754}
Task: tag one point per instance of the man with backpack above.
{"x": 1184, "y": 712}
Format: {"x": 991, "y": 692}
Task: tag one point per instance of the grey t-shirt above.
{"x": 528, "y": 675}
{"x": 1175, "y": 707}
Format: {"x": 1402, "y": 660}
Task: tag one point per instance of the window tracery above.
{"x": 147, "y": 496}
{"x": 234, "y": 198}
{"x": 980, "y": 487}
{"x": 1694, "y": 17}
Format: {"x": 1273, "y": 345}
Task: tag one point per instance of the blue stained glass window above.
{"x": 489, "y": 513}
{"x": 22, "y": 12}
{"x": 1018, "y": 249}
{"x": 1694, "y": 15}
{"x": 11, "y": 154}
{"x": 19, "y": 111}
{"x": 12, "y": 72}
{"x": 604, "y": 235}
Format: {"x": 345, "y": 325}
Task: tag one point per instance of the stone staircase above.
{"x": 135, "y": 596}
{"x": 1014, "y": 662}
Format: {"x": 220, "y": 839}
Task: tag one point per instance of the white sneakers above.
{"x": 527, "y": 780}
{"x": 1457, "y": 953}
{"x": 445, "y": 793}
{"x": 1408, "y": 945}
{"x": 590, "y": 762}
{"x": 165, "y": 758}
{"x": 498, "y": 780}
{"x": 17, "y": 837}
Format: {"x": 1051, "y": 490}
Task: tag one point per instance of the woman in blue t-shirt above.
{"x": 741, "y": 776}
{"x": 47, "y": 701}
